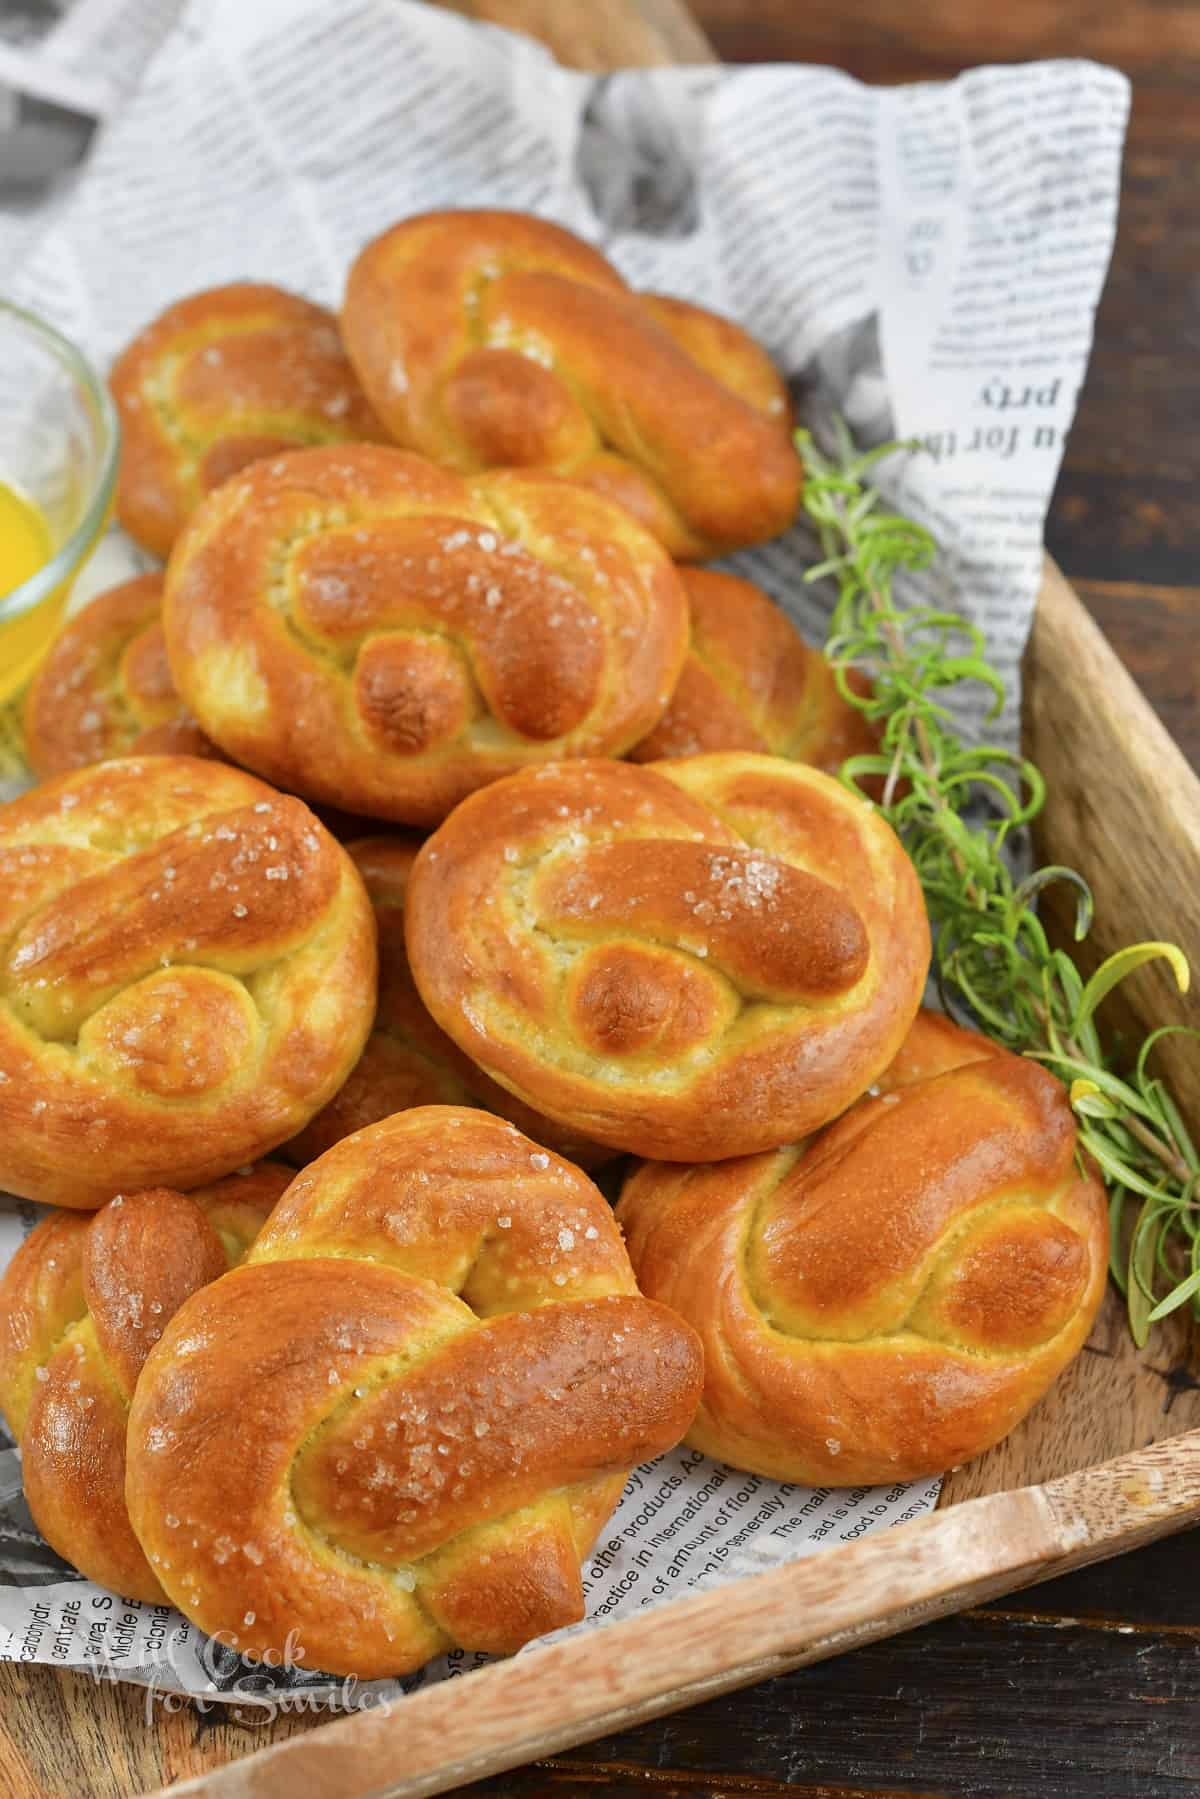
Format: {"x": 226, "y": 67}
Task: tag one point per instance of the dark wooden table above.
{"x": 1088, "y": 1688}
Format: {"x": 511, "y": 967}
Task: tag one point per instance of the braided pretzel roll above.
{"x": 187, "y": 974}
{"x": 402, "y": 1423}
{"x": 217, "y": 381}
{"x": 892, "y": 1297}
{"x": 105, "y": 688}
{"x": 750, "y": 682}
{"x": 694, "y": 960}
{"x": 382, "y": 635}
{"x": 490, "y": 339}
{"x": 408, "y": 1061}
{"x": 81, "y": 1304}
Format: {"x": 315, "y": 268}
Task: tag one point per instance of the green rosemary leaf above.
{"x": 1177, "y": 1297}
{"x": 1143, "y": 1258}
{"x": 1111, "y": 972}
{"x": 1175, "y": 1124}
{"x": 1101, "y": 1147}
{"x": 1054, "y": 876}
{"x": 1118, "y": 1259}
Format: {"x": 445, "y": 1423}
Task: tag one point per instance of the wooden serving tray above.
{"x": 1124, "y": 808}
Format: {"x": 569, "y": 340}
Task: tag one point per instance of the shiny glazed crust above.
{"x": 750, "y": 682}
{"x": 384, "y": 636}
{"x": 81, "y": 1303}
{"x": 408, "y": 1061}
{"x": 692, "y": 960}
{"x": 494, "y": 339}
{"x": 400, "y": 1425}
{"x": 217, "y": 381}
{"x": 105, "y": 689}
{"x": 889, "y": 1299}
{"x": 187, "y": 974}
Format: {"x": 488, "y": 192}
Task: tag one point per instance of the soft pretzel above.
{"x": 217, "y": 381}
{"x": 750, "y": 682}
{"x": 81, "y": 1303}
{"x": 493, "y": 339}
{"x": 691, "y": 960}
{"x": 401, "y": 1423}
{"x": 187, "y": 974}
{"x": 105, "y": 689}
{"x": 408, "y": 1061}
{"x": 890, "y": 1298}
{"x": 380, "y": 634}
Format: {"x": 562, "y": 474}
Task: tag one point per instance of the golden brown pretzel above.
{"x": 494, "y": 339}
{"x": 750, "y": 682}
{"x": 105, "y": 688}
{"x": 400, "y": 1425}
{"x": 890, "y": 1298}
{"x": 381, "y": 635}
{"x": 408, "y": 1061}
{"x": 81, "y": 1304}
{"x": 217, "y": 381}
{"x": 187, "y": 973}
{"x": 694, "y": 960}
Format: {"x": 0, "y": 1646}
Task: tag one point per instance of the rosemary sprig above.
{"x": 956, "y": 807}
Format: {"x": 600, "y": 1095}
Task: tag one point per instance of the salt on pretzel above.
{"x": 689, "y": 960}
{"x": 385, "y": 636}
{"x": 187, "y": 974}
{"x": 401, "y": 1423}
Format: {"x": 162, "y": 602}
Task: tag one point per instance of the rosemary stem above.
{"x": 895, "y": 641}
{"x": 991, "y": 953}
{"x": 1169, "y": 1157}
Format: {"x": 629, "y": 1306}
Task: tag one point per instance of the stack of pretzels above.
{"x": 431, "y": 822}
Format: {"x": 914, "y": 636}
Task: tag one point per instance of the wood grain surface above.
{"x": 1091, "y": 1684}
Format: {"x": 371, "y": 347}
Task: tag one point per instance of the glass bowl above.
{"x": 59, "y": 448}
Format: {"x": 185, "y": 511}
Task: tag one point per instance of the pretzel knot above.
{"x": 889, "y": 1299}
{"x": 489, "y": 339}
{"x": 105, "y": 689}
{"x": 400, "y": 1425}
{"x": 217, "y": 381}
{"x": 385, "y": 636}
{"x": 692, "y": 960}
{"x": 187, "y": 973}
{"x": 81, "y": 1304}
